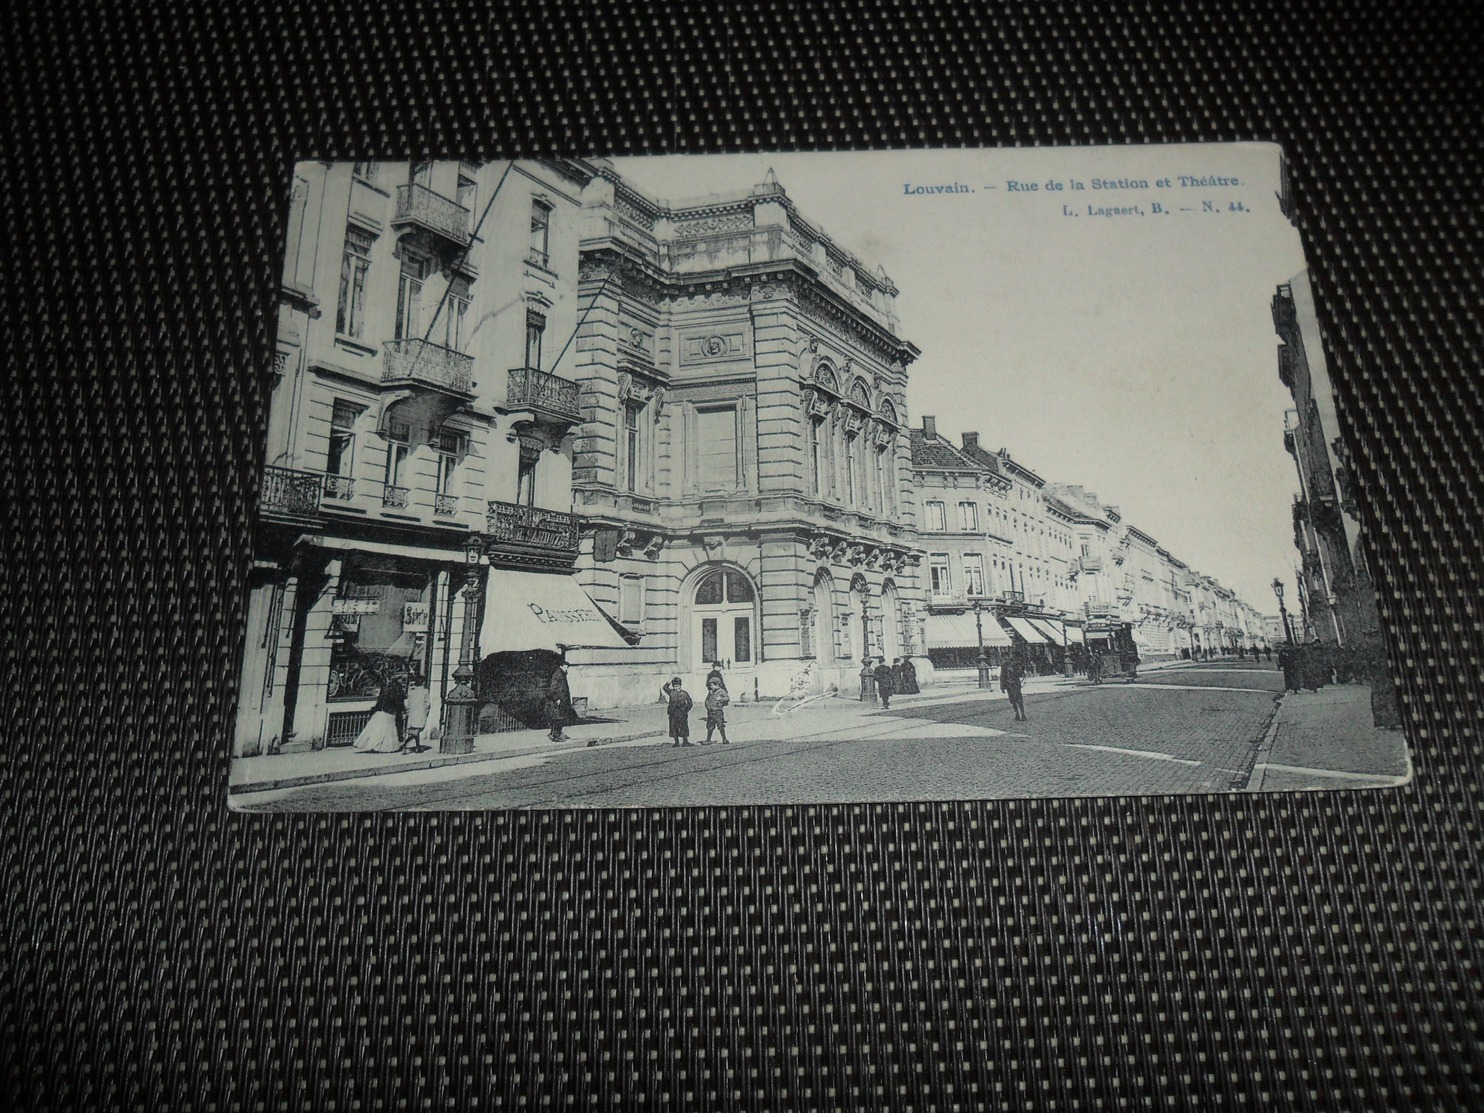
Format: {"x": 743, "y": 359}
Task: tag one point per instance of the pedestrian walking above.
{"x": 419, "y": 703}
{"x": 1268, "y": 651}
{"x": 884, "y": 682}
{"x": 1095, "y": 667}
{"x": 558, "y": 703}
{"x": 909, "y": 677}
{"x": 678, "y": 705}
{"x": 717, "y": 700}
{"x": 381, "y": 731}
{"x": 1011, "y": 676}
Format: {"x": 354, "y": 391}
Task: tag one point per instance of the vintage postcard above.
{"x": 804, "y": 478}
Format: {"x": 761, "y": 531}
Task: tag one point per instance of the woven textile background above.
{"x": 1266, "y": 951}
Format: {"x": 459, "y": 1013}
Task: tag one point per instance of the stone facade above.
{"x": 742, "y": 470}
{"x": 413, "y": 405}
{"x": 1337, "y": 599}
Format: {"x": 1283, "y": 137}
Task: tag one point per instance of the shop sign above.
{"x": 415, "y": 616}
{"x": 353, "y": 606}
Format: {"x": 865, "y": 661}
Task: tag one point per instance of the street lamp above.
{"x": 1282, "y": 611}
{"x": 983, "y": 661}
{"x": 462, "y": 703}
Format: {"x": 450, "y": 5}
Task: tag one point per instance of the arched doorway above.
{"x": 723, "y": 619}
{"x": 822, "y": 617}
{"x": 891, "y": 621}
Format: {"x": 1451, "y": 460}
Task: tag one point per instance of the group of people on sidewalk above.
{"x": 399, "y": 718}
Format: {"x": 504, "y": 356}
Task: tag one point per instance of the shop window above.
{"x": 355, "y": 264}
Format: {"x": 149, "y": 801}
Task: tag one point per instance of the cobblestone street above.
{"x": 1187, "y": 729}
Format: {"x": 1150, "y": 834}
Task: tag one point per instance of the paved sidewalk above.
{"x": 1326, "y": 741}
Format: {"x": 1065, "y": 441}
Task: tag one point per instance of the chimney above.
{"x": 929, "y": 426}
{"x": 971, "y": 441}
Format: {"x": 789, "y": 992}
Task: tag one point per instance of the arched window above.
{"x": 723, "y": 619}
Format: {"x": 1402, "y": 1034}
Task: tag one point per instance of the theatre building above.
{"x": 742, "y": 471}
{"x": 419, "y": 438}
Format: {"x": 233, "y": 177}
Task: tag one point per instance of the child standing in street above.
{"x": 716, "y": 718}
{"x": 679, "y": 704}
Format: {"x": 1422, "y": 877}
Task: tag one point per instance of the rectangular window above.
{"x": 340, "y": 461}
{"x": 365, "y": 169}
{"x": 974, "y": 575}
{"x": 450, "y": 451}
{"x": 535, "y": 328}
{"x": 396, "y": 454}
{"x": 415, "y": 270}
{"x": 883, "y": 483}
{"x": 631, "y": 412}
{"x": 631, "y": 600}
{"x": 421, "y": 173}
{"x": 937, "y": 515}
{"x": 708, "y": 639}
{"x": 716, "y": 434}
{"x": 968, "y": 516}
{"x": 850, "y": 456}
{"x": 540, "y": 233}
{"x": 742, "y": 640}
{"x": 525, "y": 482}
{"x": 464, "y": 194}
{"x": 354, "y": 264}
{"x": 814, "y": 459}
{"x": 938, "y": 576}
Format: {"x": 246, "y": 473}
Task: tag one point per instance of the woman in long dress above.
{"x": 381, "y": 734}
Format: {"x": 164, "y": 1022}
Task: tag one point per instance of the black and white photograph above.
{"x": 804, "y": 478}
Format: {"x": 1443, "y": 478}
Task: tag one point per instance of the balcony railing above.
{"x": 1100, "y": 609}
{"x": 418, "y": 205}
{"x": 339, "y": 488}
{"x": 544, "y": 392}
{"x": 289, "y": 492}
{"x": 521, "y": 524}
{"x": 1089, "y": 564}
{"x": 411, "y": 359}
{"x": 394, "y": 496}
{"x": 445, "y": 504}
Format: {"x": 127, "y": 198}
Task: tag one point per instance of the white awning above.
{"x": 1075, "y": 634}
{"x": 1051, "y": 628}
{"x": 525, "y": 610}
{"x": 1028, "y": 632}
{"x": 956, "y": 630}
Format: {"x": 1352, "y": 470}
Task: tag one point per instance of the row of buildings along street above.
{"x": 523, "y": 414}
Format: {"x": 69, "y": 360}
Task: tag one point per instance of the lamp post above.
{"x": 1282, "y": 611}
{"x": 462, "y": 703}
{"x": 983, "y": 661}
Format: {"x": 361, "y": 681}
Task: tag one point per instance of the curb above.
{"x": 414, "y": 766}
{"x": 1263, "y": 744}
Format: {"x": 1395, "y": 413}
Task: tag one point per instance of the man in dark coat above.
{"x": 1011, "y": 675}
{"x": 885, "y": 682}
{"x": 558, "y": 702}
{"x": 1287, "y": 660}
{"x": 678, "y": 705}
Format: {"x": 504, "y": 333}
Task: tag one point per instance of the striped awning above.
{"x": 1027, "y": 631}
{"x": 956, "y": 630}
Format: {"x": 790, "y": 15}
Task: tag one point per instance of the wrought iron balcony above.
{"x": 339, "y": 488}
{"x": 552, "y": 397}
{"x": 394, "y": 496}
{"x": 428, "y": 210}
{"x": 445, "y": 504}
{"x": 412, "y": 361}
{"x": 541, "y": 529}
{"x": 291, "y": 494}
